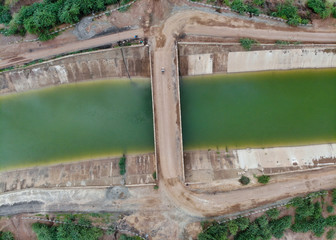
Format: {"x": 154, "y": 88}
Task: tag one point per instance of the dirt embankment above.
{"x": 95, "y": 172}
{"x": 87, "y": 66}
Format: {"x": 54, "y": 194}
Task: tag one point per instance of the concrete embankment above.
{"x": 281, "y": 59}
{"x": 80, "y": 67}
{"x": 209, "y": 58}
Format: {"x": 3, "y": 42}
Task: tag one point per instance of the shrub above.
{"x": 297, "y": 202}
{"x": 330, "y": 209}
{"x": 333, "y": 193}
{"x": 233, "y": 227}
{"x": 5, "y": 14}
{"x": 317, "y": 226}
{"x": 331, "y": 234}
{"x": 156, "y": 187}
{"x": 238, "y": 6}
{"x": 289, "y": 12}
{"x": 321, "y": 7}
{"x": 317, "y": 210}
{"x": 278, "y": 226}
{"x": 122, "y": 165}
{"x": 242, "y": 223}
{"x": 216, "y": 231}
{"x": 125, "y": 237}
{"x": 273, "y": 213}
{"x": 154, "y": 175}
{"x": 247, "y": 43}
{"x": 244, "y": 180}
{"x": 334, "y": 12}
{"x": 259, "y": 2}
{"x": 331, "y": 221}
{"x": 264, "y": 179}
{"x": 252, "y": 10}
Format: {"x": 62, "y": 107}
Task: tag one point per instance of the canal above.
{"x": 111, "y": 117}
{"x": 261, "y": 109}
{"x": 76, "y": 121}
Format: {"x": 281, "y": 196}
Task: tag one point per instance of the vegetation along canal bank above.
{"x": 261, "y": 109}
{"x": 76, "y": 121}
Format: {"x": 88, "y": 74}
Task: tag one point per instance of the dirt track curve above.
{"x": 167, "y": 119}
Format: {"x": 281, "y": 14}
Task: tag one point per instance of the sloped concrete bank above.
{"x": 80, "y": 67}
{"x": 281, "y": 59}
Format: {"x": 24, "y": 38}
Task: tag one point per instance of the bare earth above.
{"x": 174, "y": 205}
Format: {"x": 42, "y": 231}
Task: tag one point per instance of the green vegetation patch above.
{"x": 122, "y": 165}
{"x": 247, "y": 43}
{"x": 41, "y": 18}
{"x": 308, "y": 217}
{"x": 322, "y": 7}
{"x": 5, "y": 14}
{"x": 68, "y": 231}
{"x": 289, "y": 12}
{"x": 6, "y": 236}
{"x": 264, "y": 179}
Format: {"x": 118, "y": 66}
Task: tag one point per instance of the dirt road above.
{"x": 70, "y": 47}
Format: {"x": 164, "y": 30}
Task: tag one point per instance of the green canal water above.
{"x": 75, "y": 121}
{"x": 259, "y": 109}
{"x": 102, "y": 118}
